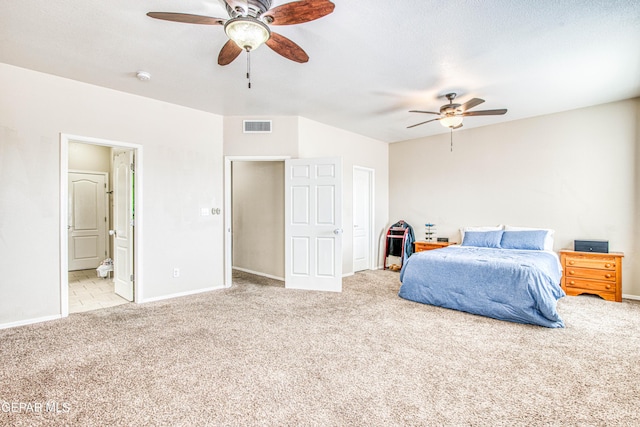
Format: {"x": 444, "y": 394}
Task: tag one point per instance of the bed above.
{"x": 505, "y": 274}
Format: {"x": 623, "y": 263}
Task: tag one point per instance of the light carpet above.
{"x": 259, "y": 354}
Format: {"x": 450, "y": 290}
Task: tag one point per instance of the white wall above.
{"x": 182, "y": 174}
{"x": 575, "y": 172}
{"x": 319, "y": 140}
{"x": 87, "y": 157}
{"x": 258, "y": 217}
{"x": 282, "y": 141}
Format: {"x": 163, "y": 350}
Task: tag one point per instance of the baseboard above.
{"x": 634, "y": 297}
{"x": 30, "y": 321}
{"x": 257, "y": 273}
{"x": 269, "y": 276}
{"x": 181, "y": 294}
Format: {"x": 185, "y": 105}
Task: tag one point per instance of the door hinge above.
{"x": 131, "y": 277}
{"x": 133, "y": 167}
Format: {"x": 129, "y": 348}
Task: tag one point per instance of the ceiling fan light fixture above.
{"x": 451, "y": 121}
{"x": 247, "y": 32}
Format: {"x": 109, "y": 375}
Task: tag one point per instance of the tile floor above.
{"x": 88, "y": 292}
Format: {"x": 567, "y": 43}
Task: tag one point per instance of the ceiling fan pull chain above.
{"x": 451, "y": 136}
{"x": 249, "y": 67}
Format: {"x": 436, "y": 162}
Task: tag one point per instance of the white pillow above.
{"x": 485, "y": 228}
{"x": 548, "y": 239}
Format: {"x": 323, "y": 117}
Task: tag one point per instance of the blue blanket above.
{"x": 520, "y": 286}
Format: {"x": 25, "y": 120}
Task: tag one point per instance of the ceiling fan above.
{"x": 248, "y": 25}
{"x": 451, "y": 114}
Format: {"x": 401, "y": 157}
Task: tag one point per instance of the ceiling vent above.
{"x": 256, "y": 126}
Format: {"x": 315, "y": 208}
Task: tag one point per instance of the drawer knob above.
{"x": 608, "y": 276}
{"x": 572, "y": 282}
{"x": 607, "y": 265}
{"x": 571, "y": 262}
{"x": 608, "y": 286}
{"x": 572, "y": 272}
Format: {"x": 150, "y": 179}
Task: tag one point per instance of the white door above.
{"x": 313, "y": 224}
{"x": 362, "y": 191}
{"x": 87, "y": 224}
{"x": 123, "y": 224}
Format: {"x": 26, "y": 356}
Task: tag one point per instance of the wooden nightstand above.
{"x": 427, "y": 246}
{"x": 592, "y": 273}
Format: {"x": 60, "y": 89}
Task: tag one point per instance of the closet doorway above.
{"x": 254, "y": 217}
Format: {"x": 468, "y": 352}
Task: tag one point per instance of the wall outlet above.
{"x": 176, "y": 272}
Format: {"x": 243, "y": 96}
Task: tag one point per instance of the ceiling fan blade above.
{"x": 187, "y": 18}
{"x": 426, "y": 112}
{"x": 228, "y": 53}
{"x": 421, "y": 123}
{"x": 485, "y": 112}
{"x": 470, "y": 104}
{"x": 285, "y": 47}
{"x": 298, "y": 12}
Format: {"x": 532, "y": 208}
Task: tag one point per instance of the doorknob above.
{"x": 113, "y": 233}
{"x": 337, "y": 231}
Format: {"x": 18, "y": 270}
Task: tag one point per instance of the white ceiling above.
{"x": 370, "y": 61}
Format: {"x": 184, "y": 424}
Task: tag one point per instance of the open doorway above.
{"x": 312, "y": 216}
{"x": 99, "y": 233}
{"x": 254, "y": 215}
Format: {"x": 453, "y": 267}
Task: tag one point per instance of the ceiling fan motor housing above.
{"x": 256, "y": 8}
{"x": 449, "y": 108}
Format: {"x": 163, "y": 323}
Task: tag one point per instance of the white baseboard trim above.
{"x": 181, "y": 294}
{"x": 348, "y": 274}
{"x": 257, "y": 273}
{"x": 269, "y": 276}
{"x": 30, "y": 321}
{"x": 634, "y": 297}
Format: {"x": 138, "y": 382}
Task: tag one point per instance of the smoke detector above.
{"x": 143, "y": 76}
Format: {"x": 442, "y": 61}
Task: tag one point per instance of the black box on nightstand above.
{"x": 601, "y": 246}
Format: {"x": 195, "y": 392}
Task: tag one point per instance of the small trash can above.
{"x": 105, "y": 268}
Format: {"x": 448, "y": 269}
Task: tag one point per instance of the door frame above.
{"x": 228, "y": 212}
{"x": 373, "y": 265}
{"x": 106, "y": 204}
{"x": 65, "y": 139}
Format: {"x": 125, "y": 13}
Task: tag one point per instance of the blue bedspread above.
{"x": 516, "y": 285}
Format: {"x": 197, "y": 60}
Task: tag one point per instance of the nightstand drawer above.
{"x": 604, "y": 263}
{"x": 587, "y": 273}
{"x": 590, "y": 285}
{"x": 428, "y": 246}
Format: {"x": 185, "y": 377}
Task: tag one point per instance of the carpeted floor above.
{"x": 259, "y": 354}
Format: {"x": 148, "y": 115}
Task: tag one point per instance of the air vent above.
{"x": 256, "y": 126}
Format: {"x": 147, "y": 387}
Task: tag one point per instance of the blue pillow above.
{"x": 529, "y": 240}
{"x": 483, "y": 239}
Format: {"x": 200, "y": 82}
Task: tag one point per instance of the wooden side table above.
{"x": 592, "y": 273}
{"x": 427, "y": 246}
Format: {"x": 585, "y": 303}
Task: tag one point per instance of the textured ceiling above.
{"x": 370, "y": 61}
